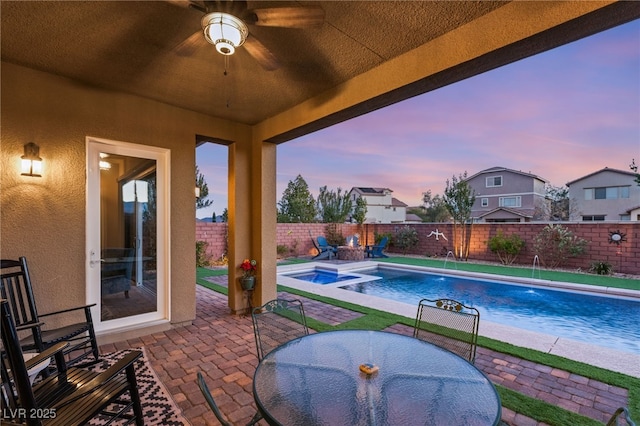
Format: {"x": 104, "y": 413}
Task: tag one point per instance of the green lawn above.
{"x": 519, "y": 271}
{"x": 530, "y": 407}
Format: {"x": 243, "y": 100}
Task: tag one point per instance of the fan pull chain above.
{"x": 226, "y": 67}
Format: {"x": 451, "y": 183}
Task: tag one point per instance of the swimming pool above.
{"x": 611, "y": 321}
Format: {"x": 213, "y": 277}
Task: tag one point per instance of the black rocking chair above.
{"x": 68, "y": 396}
{"x": 15, "y": 287}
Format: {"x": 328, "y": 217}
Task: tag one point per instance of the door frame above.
{"x": 162, "y": 157}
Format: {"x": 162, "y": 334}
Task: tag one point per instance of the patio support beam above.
{"x": 252, "y": 218}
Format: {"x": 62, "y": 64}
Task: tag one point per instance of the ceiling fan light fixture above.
{"x": 224, "y": 31}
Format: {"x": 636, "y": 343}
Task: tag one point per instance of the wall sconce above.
{"x": 104, "y": 164}
{"x": 31, "y": 161}
{"x": 197, "y": 192}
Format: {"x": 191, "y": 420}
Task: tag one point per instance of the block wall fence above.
{"x": 296, "y": 237}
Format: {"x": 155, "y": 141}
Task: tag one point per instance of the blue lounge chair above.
{"x": 325, "y": 250}
{"x": 376, "y": 250}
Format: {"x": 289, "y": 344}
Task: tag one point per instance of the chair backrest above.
{"x": 621, "y": 417}
{"x": 383, "y": 243}
{"x": 15, "y": 288}
{"x": 449, "y": 324}
{"x": 209, "y": 398}
{"x": 276, "y": 322}
{"x": 13, "y": 360}
{"x": 322, "y": 242}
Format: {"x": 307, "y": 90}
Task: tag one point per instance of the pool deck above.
{"x": 595, "y": 355}
{"x": 222, "y": 347}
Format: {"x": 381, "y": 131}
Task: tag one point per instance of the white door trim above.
{"x": 162, "y": 157}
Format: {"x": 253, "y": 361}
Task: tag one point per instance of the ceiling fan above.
{"x": 226, "y": 26}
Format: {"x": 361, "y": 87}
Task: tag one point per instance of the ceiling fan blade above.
{"x": 289, "y": 17}
{"x": 191, "y": 44}
{"x": 180, "y": 3}
{"x": 261, "y": 54}
{"x": 186, "y": 4}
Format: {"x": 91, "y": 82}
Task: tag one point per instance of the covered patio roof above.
{"x": 140, "y": 72}
{"x": 365, "y": 55}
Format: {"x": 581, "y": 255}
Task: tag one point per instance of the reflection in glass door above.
{"x": 128, "y": 281}
{"x": 126, "y": 242}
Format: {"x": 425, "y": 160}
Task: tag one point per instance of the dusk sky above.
{"x": 560, "y": 115}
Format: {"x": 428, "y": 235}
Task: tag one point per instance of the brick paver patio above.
{"x": 222, "y": 347}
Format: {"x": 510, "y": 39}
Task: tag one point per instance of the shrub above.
{"x": 333, "y": 234}
{"x": 377, "y": 238}
{"x": 406, "y": 238}
{"x": 506, "y": 248}
{"x": 282, "y": 250}
{"x": 601, "y": 268}
{"x": 555, "y": 244}
{"x": 202, "y": 258}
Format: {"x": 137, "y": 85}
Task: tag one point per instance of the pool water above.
{"x": 609, "y": 321}
{"x": 322, "y": 277}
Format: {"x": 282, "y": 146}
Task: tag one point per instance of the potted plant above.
{"x": 248, "y": 279}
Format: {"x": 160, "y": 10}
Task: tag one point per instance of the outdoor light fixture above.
{"x": 31, "y": 161}
{"x": 197, "y": 192}
{"x": 224, "y": 31}
{"x": 104, "y": 164}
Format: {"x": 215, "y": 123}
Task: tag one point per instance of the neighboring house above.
{"x": 505, "y": 195}
{"x": 381, "y": 206}
{"x": 607, "y": 194}
{"x": 412, "y": 218}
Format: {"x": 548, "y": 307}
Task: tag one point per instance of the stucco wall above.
{"x": 44, "y": 218}
{"x": 624, "y": 258}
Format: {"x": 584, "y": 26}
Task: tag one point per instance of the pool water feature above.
{"x": 600, "y": 319}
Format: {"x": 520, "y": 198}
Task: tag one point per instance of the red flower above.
{"x": 249, "y": 268}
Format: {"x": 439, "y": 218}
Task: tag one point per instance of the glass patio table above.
{"x": 317, "y": 380}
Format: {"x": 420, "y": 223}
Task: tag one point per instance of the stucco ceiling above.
{"x": 133, "y": 47}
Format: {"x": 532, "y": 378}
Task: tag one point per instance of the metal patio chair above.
{"x": 210, "y": 401}
{"x": 68, "y": 396}
{"x": 16, "y": 288}
{"x": 449, "y": 324}
{"x": 621, "y": 417}
{"x": 204, "y": 388}
{"x": 276, "y": 322}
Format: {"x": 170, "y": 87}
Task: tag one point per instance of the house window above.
{"x": 494, "y": 181}
{"x": 624, "y": 192}
{"x": 484, "y": 202}
{"x": 510, "y": 201}
{"x": 606, "y": 193}
{"x": 597, "y": 217}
